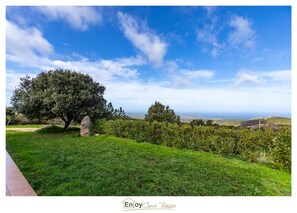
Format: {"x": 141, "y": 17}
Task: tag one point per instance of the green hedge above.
{"x": 252, "y": 146}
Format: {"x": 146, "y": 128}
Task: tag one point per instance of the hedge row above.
{"x": 253, "y": 146}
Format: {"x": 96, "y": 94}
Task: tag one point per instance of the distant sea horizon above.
{"x": 217, "y": 115}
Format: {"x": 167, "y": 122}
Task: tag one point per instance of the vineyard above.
{"x": 260, "y": 146}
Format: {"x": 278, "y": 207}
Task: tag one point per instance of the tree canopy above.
{"x": 158, "y": 112}
{"x": 197, "y": 122}
{"x": 10, "y": 115}
{"x": 112, "y": 113}
{"x": 209, "y": 123}
{"x": 60, "y": 93}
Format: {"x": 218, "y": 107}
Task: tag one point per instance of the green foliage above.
{"x": 197, "y": 122}
{"x": 111, "y": 113}
{"x": 209, "y": 122}
{"x": 97, "y": 126}
{"x": 10, "y": 115}
{"x": 281, "y": 149}
{"x": 13, "y": 118}
{"x": 59, "y": 93}
{"x": 249, "y": 145}
{"x": 158, "y": 112}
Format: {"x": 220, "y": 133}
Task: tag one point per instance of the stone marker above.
{"x": 85, "y": 126}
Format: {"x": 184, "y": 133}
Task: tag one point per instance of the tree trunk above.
{"x": 67, "y": 123}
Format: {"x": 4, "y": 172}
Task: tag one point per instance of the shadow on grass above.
{"x": 57, "y": 129}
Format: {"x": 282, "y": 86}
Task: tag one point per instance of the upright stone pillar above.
{"x": 85, "y": 126}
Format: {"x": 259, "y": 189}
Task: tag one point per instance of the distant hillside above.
{"x": 252, "y": 122}
{"x": 265, "y": 122}
{"x": 229, "y": 122}
{"x": 279, "y": 120}
{"x": 136, "y": 115}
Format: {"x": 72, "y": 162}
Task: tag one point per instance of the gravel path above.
{"x": 23, "y": 129}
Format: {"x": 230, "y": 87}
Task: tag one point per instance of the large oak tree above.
{"x": 59, "y": 93}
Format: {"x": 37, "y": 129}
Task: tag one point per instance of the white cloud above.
{"x": 281, "y": 75}
{"x": 13, "y": 81}
{"x": 243, "y": 34}
{"x": 208, "y": 34}
{"x": 171, "y": 66}
{"x": 258, "y": 99}
{"x": 247, "y": 78}
{"x": 25, "y": 45}
{"x": 119, "y": 67}
{"x": 198, "y": 74}
{"x": 104, "y": 70}
{"x": 135, "y": 96}
{"x": 132, "y": 61}
{"x": 256, "y": 77}
{"x": 144, "y": 39}
{"x": 77, "y": 17}
{"x": 28, "y": 48}
{"x": 183, "y": 77}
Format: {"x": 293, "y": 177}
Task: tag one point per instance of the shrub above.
{"x": 97, "y": 126}
{"x": 197, "y": 122}
{"x": 249, "y": 145}
{"x": 209, "y": 123}
{"x": 281, "y": 149}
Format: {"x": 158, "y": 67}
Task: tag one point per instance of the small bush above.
{"x": 97, "y": 126}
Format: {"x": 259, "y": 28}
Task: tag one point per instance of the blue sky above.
{"x": 194, "y": 59}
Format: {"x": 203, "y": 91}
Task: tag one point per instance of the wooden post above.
{"x": 259, "y": 123}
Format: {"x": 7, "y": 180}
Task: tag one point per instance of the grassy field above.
{"x": 66, "y": 164}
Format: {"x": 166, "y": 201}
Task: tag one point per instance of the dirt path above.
{"x": 23, "y": 129}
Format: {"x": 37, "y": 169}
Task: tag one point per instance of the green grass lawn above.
{"x": 66, "y": 164}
